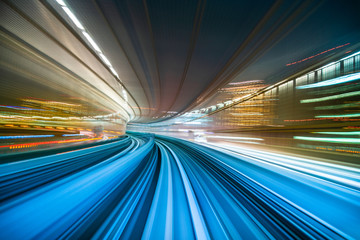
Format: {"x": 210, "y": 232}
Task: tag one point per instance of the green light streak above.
{"x": 339, "y": 133}
{"x": 343, "y": 95}
{"x": 331, "y": 140}
{"x": 339, "y": 116}
{"x": 347, "y": 105}
{"x": 336, "y": 90}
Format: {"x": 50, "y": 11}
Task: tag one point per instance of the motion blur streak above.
{"x": 156, "y": 187}
{"x": 335, "y": 81}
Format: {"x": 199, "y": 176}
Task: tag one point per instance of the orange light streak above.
{"x": 305, "y": 59}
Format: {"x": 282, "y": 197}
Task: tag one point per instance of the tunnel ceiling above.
{"x": 172, "y": 55}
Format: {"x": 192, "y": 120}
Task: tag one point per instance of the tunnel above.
{"x": 170, "y": 119}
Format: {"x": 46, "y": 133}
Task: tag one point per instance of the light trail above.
{"x": 164, "y": 188}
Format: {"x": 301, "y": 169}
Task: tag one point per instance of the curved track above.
{"x": 161, "y": 188}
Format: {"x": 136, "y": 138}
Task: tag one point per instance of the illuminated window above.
{"x": 348, "y": 65}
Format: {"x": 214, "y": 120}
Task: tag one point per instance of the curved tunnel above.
{"x": 197, "y": 119}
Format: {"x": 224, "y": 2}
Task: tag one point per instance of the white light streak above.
{"x": 114, "y": 72}
{"x": 335, "y": 81}
{"x": 193, "y": 123}
{"x": 107, "y": 62}
{"x": 237, "y": 138}
{"x": 73, "y": 18}
{"x": 92, "y": 42}
{"x": 350, "y": 56}
{"x": 61, "y": 2}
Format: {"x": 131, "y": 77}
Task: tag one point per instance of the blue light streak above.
{"x": 21, "y": 108}
{"x": 335, "y": 81}
{"x": 143, "y": 187}
{"x": 25, "y": 136}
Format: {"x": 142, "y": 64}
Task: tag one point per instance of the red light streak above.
{"x": 305, "y": 59}
{"x": 344, "y": 119}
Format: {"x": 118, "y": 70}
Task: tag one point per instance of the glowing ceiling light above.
{"x": 125, "y": 95}
{"x": 61, "y": 2}
{"x": 114, "y": 72}
{"x": 73, "y": 18}
{"x": 92, "y": 42}
{"x": 335, "y": 81}
{"x": 107, "y": 62}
